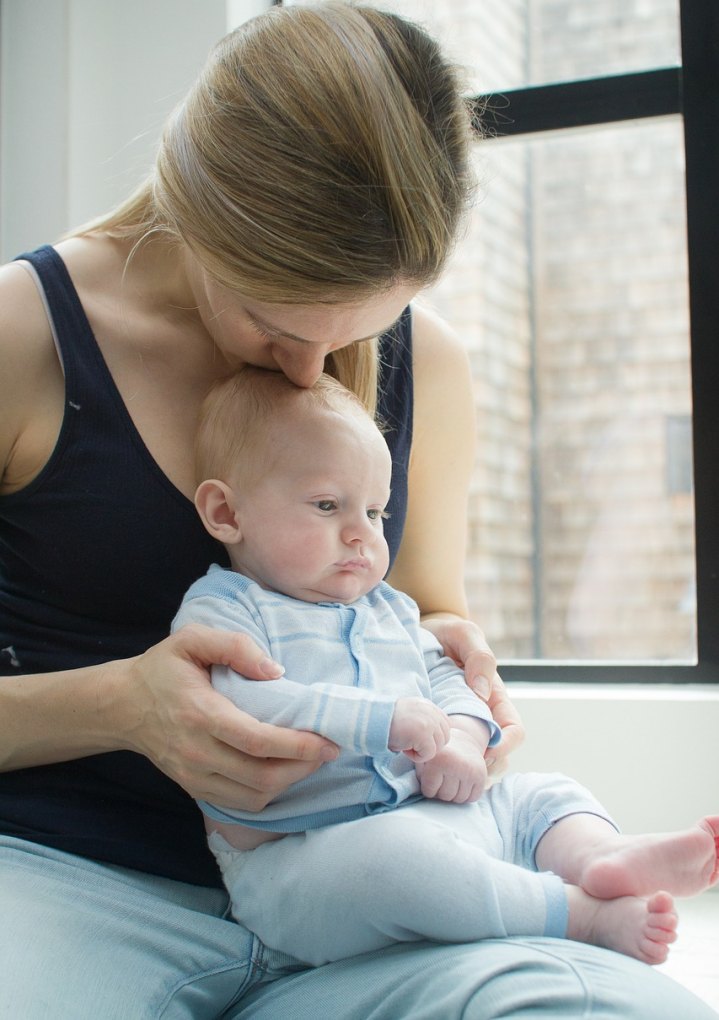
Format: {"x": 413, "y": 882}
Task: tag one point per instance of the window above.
{"x": 586, "y": 292}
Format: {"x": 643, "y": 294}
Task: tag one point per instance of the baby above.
{"x": 399, "y": 838}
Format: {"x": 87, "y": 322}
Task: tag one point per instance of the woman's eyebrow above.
{"x": 269, "y": 328}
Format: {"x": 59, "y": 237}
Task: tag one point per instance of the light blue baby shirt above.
{"x": 345, "y": 667}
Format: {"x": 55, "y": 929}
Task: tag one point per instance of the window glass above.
{"x": 570, "y": 289}
{"x": 508, "y": 44}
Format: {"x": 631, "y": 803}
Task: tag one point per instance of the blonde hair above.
{"x": 236, "y": 416}
{"x": 322, "y": 156}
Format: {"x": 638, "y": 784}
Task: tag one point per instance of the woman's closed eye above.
{"x": 260, "y": 330}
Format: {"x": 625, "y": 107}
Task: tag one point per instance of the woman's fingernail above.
{"x": 270, "y": 668}
{"x": 481, "y": 686}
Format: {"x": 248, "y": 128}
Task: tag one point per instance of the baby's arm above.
{"x": 354, "y": 718}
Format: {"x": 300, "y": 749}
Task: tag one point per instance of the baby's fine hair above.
{"x": 236, "y": 415}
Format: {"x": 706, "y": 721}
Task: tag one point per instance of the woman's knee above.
{"x": 510, "y": 978}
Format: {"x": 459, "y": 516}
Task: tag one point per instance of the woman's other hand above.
{"x": 464, "y": 642}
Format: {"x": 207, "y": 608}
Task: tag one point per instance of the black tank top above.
{"x": 95, "y": 556}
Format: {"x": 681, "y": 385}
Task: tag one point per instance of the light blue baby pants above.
{"x": 428, "y": 870}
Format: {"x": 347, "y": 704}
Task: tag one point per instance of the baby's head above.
{"x": 294, "y": 484}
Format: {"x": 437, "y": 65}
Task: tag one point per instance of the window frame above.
{"x": 691, "y": 91}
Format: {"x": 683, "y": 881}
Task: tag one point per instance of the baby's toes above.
{"x": 653, "y": 952}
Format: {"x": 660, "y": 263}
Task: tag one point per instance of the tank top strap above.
{"x": 82, "y": 362}
{"x": 396, "y": 389}
{"x": 395, "y": 406}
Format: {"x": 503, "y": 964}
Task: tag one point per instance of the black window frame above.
{"x": 690, "y": 90}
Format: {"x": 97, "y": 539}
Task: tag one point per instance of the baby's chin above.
{"x": 342, "y": 588}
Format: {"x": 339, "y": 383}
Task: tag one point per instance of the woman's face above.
{"x": 294, "y": 339}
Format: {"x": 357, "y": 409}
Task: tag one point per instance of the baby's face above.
{"x": 312, "y": 525}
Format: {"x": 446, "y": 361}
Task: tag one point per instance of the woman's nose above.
{"x": 303, "y": 367}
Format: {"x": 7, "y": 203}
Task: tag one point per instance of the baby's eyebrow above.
{"x": 269, "y": 328}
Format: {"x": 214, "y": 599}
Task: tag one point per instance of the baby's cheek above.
{"x": 310, "y": 551}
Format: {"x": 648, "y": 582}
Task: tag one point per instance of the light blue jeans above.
{"x": 83, "y": 941}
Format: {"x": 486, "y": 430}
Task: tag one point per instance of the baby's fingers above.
{"x": 433, "y": 741}
{"x": 430, "y": 782}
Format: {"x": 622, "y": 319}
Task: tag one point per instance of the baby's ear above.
{"x": 215, "y": 504}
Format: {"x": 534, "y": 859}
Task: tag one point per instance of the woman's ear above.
{"x": 215, "y": 502}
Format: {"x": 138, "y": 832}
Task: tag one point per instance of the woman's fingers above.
{"x": 507, "y": 717}
{"x": 207, "y": 647}
{"x": 253, "y": 784}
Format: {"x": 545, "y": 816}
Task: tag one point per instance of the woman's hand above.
{"x": 464, "y": 642}
{"x": 509, "y": 721}
{"x": 197, "y": 737}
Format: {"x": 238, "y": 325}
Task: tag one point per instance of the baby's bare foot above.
{"x": 636, "y": 927}
{"x": 684, "y": 863}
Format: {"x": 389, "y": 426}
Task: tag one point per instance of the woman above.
{"x": 308, "y": 187}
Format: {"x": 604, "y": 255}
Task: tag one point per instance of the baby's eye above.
{"x": 326, "y": 505}
{"x": 376, "y": 515}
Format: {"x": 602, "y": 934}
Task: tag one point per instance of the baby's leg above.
{"x": 587, "y": 852}
{"x": 636, "y": 927}
{"x": 397, "y": 877}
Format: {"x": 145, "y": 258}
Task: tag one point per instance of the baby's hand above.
{"x": 419, "y": 729}
{"x": 458, "y": 773}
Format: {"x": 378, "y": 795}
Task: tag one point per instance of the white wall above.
{"x": 33, "y": 122}
{"x": 651, "y": 754}
{"x": 85, "y": 86}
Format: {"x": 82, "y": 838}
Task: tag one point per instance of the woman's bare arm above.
{"x": 430, "y": 563}
{"x": 161, "y": 704}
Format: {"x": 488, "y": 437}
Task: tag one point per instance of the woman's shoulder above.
{"x": 433, "y": 337}
{"x": 32, "y": 383}
{"x": 24, "y": 325}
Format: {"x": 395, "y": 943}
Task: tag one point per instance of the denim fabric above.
{"x": 83, "y": 941}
